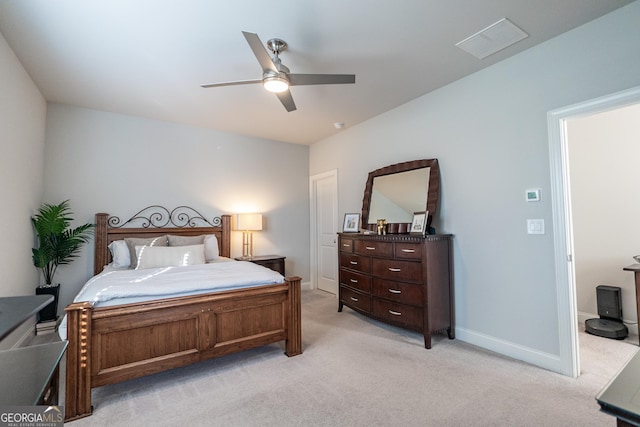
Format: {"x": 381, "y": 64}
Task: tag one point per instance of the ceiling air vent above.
{"x": 492, "y": 39}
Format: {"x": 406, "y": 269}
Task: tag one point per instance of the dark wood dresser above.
{"x": 400, "y": 279}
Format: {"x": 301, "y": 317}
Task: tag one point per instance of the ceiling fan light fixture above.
{"x": 275, "y": 84}
{"x": 275, "y": 76}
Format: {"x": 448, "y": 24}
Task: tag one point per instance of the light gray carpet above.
{"x": 358, "y": 372}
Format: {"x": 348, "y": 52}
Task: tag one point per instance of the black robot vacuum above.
{"x": 609, "y": 324}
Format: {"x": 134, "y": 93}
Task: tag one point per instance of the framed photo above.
{"x": 419, "y": 223}
{"x": 351, "y": 223}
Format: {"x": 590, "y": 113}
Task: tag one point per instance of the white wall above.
{"x": 605, "y": 178}
{"x": 22, "y": 128}
{"x": 489, "y": 133}
{"x": 113, "y": 163}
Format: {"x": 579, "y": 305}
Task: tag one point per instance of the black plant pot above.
{"x": 50, "y": 312}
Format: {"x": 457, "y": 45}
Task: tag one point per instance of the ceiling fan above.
{"x": 276, "y": 77}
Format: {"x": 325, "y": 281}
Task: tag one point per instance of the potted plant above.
{"x": 58, "y": 244}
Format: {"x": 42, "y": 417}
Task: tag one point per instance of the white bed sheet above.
{"x": 115, "y": 287}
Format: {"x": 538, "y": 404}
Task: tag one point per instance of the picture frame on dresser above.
{"x": 419, "y": 223}
{"x": 351, "y": 223}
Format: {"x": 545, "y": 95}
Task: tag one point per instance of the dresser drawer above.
{"x": 346, "y": 245}
{"x": 399, "y": 313}
{"x": 405, "y": 293}
{"x": 355, "y": 300}
{"x": 408, "y": 250}
{"x": 374, "y": 248}
{"x": 398, "y": 270}
{"x": 355, "y": 280}
{"x": 355, "y": 262}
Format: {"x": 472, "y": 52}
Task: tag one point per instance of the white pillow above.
{"x": 211, "y": 251}
{"x": 120, "y": 257}
{"x": 132, "y": 242}
{"x": 169, "y": 256}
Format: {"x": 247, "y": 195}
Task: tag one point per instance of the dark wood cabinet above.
{"x": 274, "y": 262}
{"x": 400, "y": 279}
{"x": 30, "y": 374}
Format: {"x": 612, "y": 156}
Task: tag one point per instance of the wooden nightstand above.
{"x": 274, "y": 262}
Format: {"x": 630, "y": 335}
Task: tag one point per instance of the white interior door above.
{"x": 324, "y": 226}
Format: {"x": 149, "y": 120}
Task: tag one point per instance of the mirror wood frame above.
{"x": 432, "y": 196}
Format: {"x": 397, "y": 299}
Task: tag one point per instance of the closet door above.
{"x": 324, "y": 226}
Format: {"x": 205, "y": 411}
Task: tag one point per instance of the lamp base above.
{"x": 247, "y": 245}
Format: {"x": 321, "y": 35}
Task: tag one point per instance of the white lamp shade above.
{"x": 249, "y": 221}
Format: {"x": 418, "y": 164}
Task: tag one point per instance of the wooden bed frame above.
{"x": 112, "y": 344}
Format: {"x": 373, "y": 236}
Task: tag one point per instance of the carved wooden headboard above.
{"x": 155, "y": 221}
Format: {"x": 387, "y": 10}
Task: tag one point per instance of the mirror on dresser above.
{"x": 396, "y": 191}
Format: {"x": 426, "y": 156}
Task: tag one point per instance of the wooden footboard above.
{"x": 112, "y": 344}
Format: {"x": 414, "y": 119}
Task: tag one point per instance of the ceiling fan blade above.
{"x": 321, "y": 79}
{"x": 239, "y": 82}
{"x": 260, "y": 52}
{"x": 287, "y": 100}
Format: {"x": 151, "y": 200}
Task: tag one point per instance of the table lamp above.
{"x": 247, "y": 223}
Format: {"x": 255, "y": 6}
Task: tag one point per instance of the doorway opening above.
{"x": 563, "y": 219}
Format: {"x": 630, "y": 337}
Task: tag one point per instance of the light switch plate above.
{"x": 535, "y": 226}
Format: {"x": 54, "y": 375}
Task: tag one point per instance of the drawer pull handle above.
{"x": 353, "y": 262}
{"x": 409, "y": 251}
{"x": 371, "y": 248}
{"x": 353, "y": 280}
{"x": 395, "y": 291}
{"x": 354, "y": 299}
{"x": 346, "y": 245}
{"x": 395, "y": 313}
{"x": 395, "y": 270}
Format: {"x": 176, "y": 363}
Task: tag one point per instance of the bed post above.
{"x": 225, "y": 244}
{"x": 100, "y": 249}
{"x": 78, "y": 377}
{"x": 294, "y": 331}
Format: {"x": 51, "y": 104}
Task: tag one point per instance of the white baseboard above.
{"x": 305, "y": 286}
{"x": 535, "y": 357}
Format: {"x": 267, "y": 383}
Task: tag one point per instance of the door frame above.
{"x": 313, "y": 219}
{"x": 562, "y": 219}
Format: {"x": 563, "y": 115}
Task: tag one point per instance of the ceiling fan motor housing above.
{"x": 276, "y": 45}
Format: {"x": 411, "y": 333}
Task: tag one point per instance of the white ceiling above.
{"x": 149, "y": 57}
